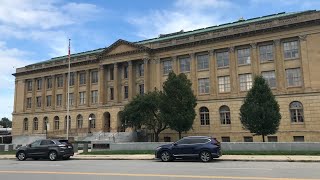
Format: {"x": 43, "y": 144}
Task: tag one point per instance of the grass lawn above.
{"x": 7, "y": 152}
{"x": 307, "y": 153}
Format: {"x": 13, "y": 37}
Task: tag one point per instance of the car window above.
{"x": 46, "y": 142}
{"x": 36, "y": 143}
{"x": 184, "y": 141}
{"x": 202, "y": 140}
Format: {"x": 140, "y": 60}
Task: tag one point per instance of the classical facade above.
{"x": 219, "y": 60}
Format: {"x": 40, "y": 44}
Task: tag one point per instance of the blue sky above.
{"x": 37, "y": 30}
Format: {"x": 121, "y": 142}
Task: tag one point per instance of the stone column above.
{"x": 131, "y": 83}
{"x": 213, "y": 73}
{"x": 146, "y": 75}
{"x": 279, "y": 66}
{"x": 305, "y": 71}
{"x": 233, "y": 71}
{"x": 76, "y": 89}
{"x": 43, "y": 93}
{"x": 65, "y": 91}
{"x": 34, "y": 99}
{"x": 53, "y": 96}
{"x": 116, "y": 83}
{"x": 15, "y": 97}
{"x": 101, "y": 82}
{"x": 193, "y": 73}
{"x": 254, "y": 60}
{"x": 25, "y": 95}
{"x": 88, "y": 82}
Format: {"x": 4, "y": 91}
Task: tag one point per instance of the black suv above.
{"x": 51, "y": 149}
{"x": 202, "y": 147}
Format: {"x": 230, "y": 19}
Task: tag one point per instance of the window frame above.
{"x": 224, "y": 58}
{"x": 225, "y": 115}
{"x": 290, "y": 49}
{"x": 204, "y": 115}
{"x": 82, "y": 78}
{"x": 247, "y": 83}
{"x": 202, "y": 63}
{"x": 167, "y": 66}
{"x": 265, "y": 53}
{"x": 82, "y": 98}
{"x": 270, "y": 80}
{"x": 244, "y": 56}
{"x": 184, "y": 64}
{"x": 296, "y": 113}
{"x": 203, "y": 84}
{"x": 296, "y": 80}
{"x": 226, "y": 84}
{"x": 94, "y": 77}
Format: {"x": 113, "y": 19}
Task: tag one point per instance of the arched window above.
{"x": 225, "y": 115}
{"x": 35, "y": 124}
{"x": 92, "y": 121}
{"x": 204, "y": 116}
{"x": 296, "y": 112}
{"x": 45, "y": 123}
{"x": 79, "y": 121}
{"x": 65, "y": 123}
{"x": 25, "y": 124}
{"x": 56, "y": 123}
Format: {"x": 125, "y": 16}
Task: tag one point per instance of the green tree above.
{"x": 260, "y": 113}
{"x": 6, "y": 123}
{"x": 144, "y": 110}
{"x": 178, "y": 103}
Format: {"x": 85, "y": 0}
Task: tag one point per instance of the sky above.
{"x": 36, "y": 30}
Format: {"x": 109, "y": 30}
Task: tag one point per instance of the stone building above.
{"x": 219, "y": 60}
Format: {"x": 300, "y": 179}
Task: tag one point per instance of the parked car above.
{"x": 202, "y": 147}
{"x": 48, "y": 148}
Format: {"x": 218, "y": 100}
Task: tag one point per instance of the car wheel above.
{"x": 21, "y": 156}
{"x": 53, "y": 156}
{"x": 205, "y": 156}
{"x": 66, "y": 158}
{"x": 35, "y": 158}
{"x": 166, "y": 156}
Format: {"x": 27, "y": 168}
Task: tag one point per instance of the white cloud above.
{"x": 300, "y": 4}
{"x": 185, "y": 15}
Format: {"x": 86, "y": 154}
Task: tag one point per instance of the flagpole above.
{"x": 68, "y": 101}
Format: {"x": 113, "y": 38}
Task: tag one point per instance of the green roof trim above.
{"x": 222, "y": 26}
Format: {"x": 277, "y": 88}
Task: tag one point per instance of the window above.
{"x": 45, "y": 123}
{"x": 244, "y": 56}
{"x": 29, "y": 103}
{"x": 167, "y": 67}
{"x": 296, "y": 112}
{"x": 225, "y": 115}
{"x": 141, "y": 69}
{"x": 71, "y": 99}
{"x": 59, "y": 99}
{"x": 141, "y": 89}
{"x": 35, "y": 124}
{"x": 204, "y": 116}
{"x": 82, "y": 96}
{"x": 298, "y": 138}
{"x": 56, "y": 123}
{"x": 125, "y": 72}
{"x": 224, "y": 84}
{"x": 112, "y": 74}
{"x": 39, "y": 99}
{"x": 272, "y": 139}
{"x": 184, "y": 64}
{"x": 48, "y": 101}
{"x": 291, "y": 50}
{"x": 94, "y": 97}
{"x": 39, "y": 84}
{"x": 203, "y": 61}
{"x": 59, "y": 81}
{"x": 111, "y": 93}
{"x": 94, "y": 76}
{"x": 82, "y": 78}
{"x": 25, "y": 124}
{"x": 223, "y": 59}
{"x": 65, "y": 123}
{"x": 293, "y": 77}
{"x": 245, "y": 82}
{"x": 126, "y": 92}
{"x": 167, "y": 139}
{"x": 92, "y": 121}
{"x": 225, "y": 139}
{"x": 71, "y": 81}
{"x": 270, "y": 77}
{"x": 79, "y": 121}
{"x": 46, "y": 142}
{"x": 247, "y": 139}
{"x": 184, "y": 141}
{"x": 29, "y": 85}
{"x": 49, "y": 83}
{"x": 266, "y": 53}
{"x": 203, "y": 85}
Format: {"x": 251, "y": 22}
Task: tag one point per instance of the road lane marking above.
{"x": 149, "y": 175}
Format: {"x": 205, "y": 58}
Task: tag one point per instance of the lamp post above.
{"x": 47, "y": 128}
{"x": 89, "y": 125}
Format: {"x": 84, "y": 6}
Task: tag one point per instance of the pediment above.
{"x": 122, "y": 46}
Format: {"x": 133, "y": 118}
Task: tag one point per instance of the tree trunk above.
{"x": 179, "y": 135}
{"x": 263, "y": 138}
{"x": 156, "y": 137}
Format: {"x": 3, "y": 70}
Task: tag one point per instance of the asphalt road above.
{"x": 155, "y": 170}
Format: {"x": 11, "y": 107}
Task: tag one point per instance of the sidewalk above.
{"x": 266, "y": 158}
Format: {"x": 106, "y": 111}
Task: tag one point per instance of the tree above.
{"x": 260, "y": 113}
{"x": 144, "y": 110}
{"x": 178, "y": 103}
{"x": 6, "y": 123}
